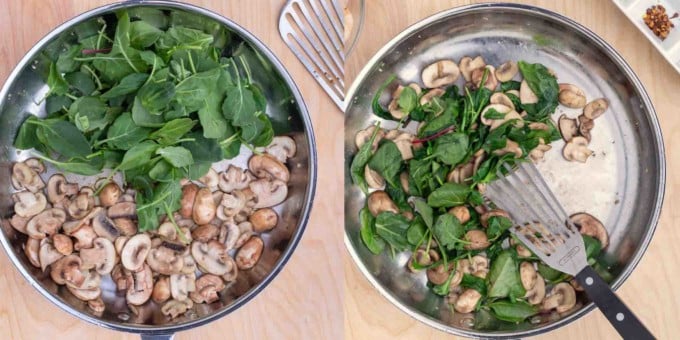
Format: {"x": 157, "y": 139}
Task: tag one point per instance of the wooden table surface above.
{"x": 305, "y": 300}
{"x": 650, "y": 291}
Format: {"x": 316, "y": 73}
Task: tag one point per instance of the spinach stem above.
{"x": 96, "y": 79}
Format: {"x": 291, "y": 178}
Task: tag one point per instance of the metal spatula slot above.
{"x": 313, "y": 30}
{"x": 545, "y": 228}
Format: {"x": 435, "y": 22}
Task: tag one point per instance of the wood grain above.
{"x": 650, "y": 291}
{"x": 305, "y": 300}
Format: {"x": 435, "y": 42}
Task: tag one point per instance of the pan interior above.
{"x": 621, "y": 184}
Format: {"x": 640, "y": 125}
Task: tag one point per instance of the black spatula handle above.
{"x": 625, "y": 322}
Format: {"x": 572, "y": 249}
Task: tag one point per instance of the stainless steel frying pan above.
{"x": 289, "y": 116}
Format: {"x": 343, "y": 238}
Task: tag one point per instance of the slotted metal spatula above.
{"x": 544, "y": 227}
{"x": 314, "y": 31}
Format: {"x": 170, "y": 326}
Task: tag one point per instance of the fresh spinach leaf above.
{"x": 176, "y": 155}
{"x": 378, "y": 110}
{"x": 138, "y": 155}
{"x": 451, "y": 148}
{"x": 408, "y": 100}
{"x": 424, "y": 210}
{"x": 474, "y": 282}
{"x": 417, "y": 231}
{"x": 449, "y": 195}
{"x": 64, "y": 138}
{"x": 142, "y": 117}
{"x": 127, "y": 85}
{"x": 172, "y": 131}
{"x": 154, "y": 97}
{"x": 448, "y": 231}
{"x": 124, "y": 133}
{"x": 143, "y": 34}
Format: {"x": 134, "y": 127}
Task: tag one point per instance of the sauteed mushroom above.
{"x": 282, "y": 148}
{"x": 161, "y": 290}
{"x": 101, "y": 257}
{"x": 591, "y": 226}
{"x": 577, "y": 150}
{"x": 596, "y": 108}
{"x": 568, "y": 127}
{"x": 440, "y": 73}
{"x": 135, "y": 251}
{"x": 207, "y": 287}
{"x": 380, "y": 201}
{"x": 211, "y": 179}
{"x": 265, "y": 166}
{"x": 467, "y": 301}
{"x": 249, "y": 254}
{"x": 109, "y": 194}
{"x": 562, "y": 298}
{"x": 23, "y": 177}
{"x": 212, "y": 257}
{"x": 204, "y": 207}
{"x": 467, "y": 65}
{"x": 140, "y": 290}
{"x": 507, "y": 71}
{"x": 572, "y": 96}
{"x": 28, "y": 204}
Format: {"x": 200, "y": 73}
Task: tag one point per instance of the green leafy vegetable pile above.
{"x": 159, "y": 97}
{"x": 428, "y": 210}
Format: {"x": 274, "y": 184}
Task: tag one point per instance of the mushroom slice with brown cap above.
{"x": 45, "y": 223}
{"x": 125, "y": 226}
{"x": 373, "y": 178}
{"x": 174, "y": 308}
{"x": 526, "y": 94}
{"x": 264, "y": 220}
{"x": 235, "y": 178}
{"x": 63, "y": 244}
{"x": 187, "y": 201}
{"x": 109, "y": 194}
{"x": 587, "y": 224}
{"x": 478, "y": 75}
{"x": 19, "y": 223}
{"x": 142, "y": 287}
{"x": 511, "y": 147}
{"x": 233, "y": 234}
{"x": 101, "y": 257}
{"x": 211, "y": 257}
{"x": 211, "y": 179}
{"x": 97, "y": 305}
{"x": 596, "y": 108}
{"x": 571, "y": 96}
{"x": 181, "y": 285}
{"x": 135, "y": 251}
{"x": 231, "y": 205}
{"x": 245, "y": 233}
{"x": 506, "y": 71}
{"x": 467, "y": 65}
{"x": 47, "y": 253}
{"x": 440, "y": 73}
{"x": 85, "y": 235}
{"x": 81, "y": 205}
{"x": 85, "y": 294}
{"x": 268, "y": 193}
{"x": 363, "y": 136}
{"x": 67, "y": 269}
{"x": 29, "y": 204}
{"x": 23, "y": 177}
{"x": 249, "y": 254}
{"x": 439, "y": 274}
{"x": 123, "y": 210}
{"x": 205, "y": 233}
{"x": 502, "y": 99}
{"x": 379, "y": 201}
{"x": 477, "y": 238}
{"x": 204, "y": 207}
{"x": 282, "y": 148}
{"x": 585, "y": 124}
{"x": 562, "y": 298}
{"x": 461, "y": 212}
{"x": 32, "y": 250}
{"x": 536, "y": 294}
{"x": 161, "y": 290}
{"x": 105, "y": 227}
{"x": 265, "y": 166}
{"x": 577, "y": 150}
{"x": 164, "y": 260}
{"x": 207, "y": 287}
{"x": 568, "y": 127}
{"x": 467, "y": 301}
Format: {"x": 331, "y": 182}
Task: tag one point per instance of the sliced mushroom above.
{"x": 125, "y": 226}
{"x": 211, "y": 179}
{"x": 393, "y": 107}
{"x": 123, "y": 210}
{"x": 568, "y": 127}
{"x": 236, "y": 178}
{"x": 467, "y": 301}
{"x": 85, "y": 294}
{"x": 591, "y": 226}
{"x": 135, "y": 251}
{"x": 265, "y": 166}
{"x": 233, "y": 234}
{"x": 231, "y": 205}
{"x": 439, "y": 274}
{"x": 207, "y": 287}
{"x": 506, "y": 71}
{"x": 536, "y": 294}
{"x": 467, "y": 65}
{"x": 373, "y": 178}
{"x": 97, "y": 305}
{"x": 571, "y": 96}
{"x": 109, "y": 194}
{"x": 249, "y": 254}
{"x": 28, "y": 204}
{"x": 205, "y": 233}
{"x": 81, "y": 206}
{"x": 204, "y": 207}
{"x": 47, "y": 253}
{"x": 174, "y": 308}
{"x": 67, "y": 269}
{"x": 461, "y": 212}
{"x": 379, "y": 201}
{"x": 84, "y": 235}
{"x": 528, "y": 275}
{"x": 140, "y": 291}
{"x": 45, "y": 223}
{"x": 282, "y": 148}
{"x": 63, "y": 244}
{"x": 562, "y": 298}
{"x": 429, "y": 95}
{"x": 596, "y": 108}
{"x": 268, "y": 193}
{"x": 440, "y": 73}
{"x": 23, "y": 177}
{"x": 161, "y": 290}
{"x": 181, "y": 285}
{"x": 211, "y": 257}
{"x": 32, "y": 250}
{"x": 502, "y": 99}
{"x": 511, "y": 147}
{"x": 101, "y": 257}
{"x": 121, "y": 277}
{"x": 105, "y": 227}
{"x": 526, "y": 94}
{"x": 404, "y": 142}
{"x": 577, "y": 150}
{"x": 119, "y": 243}
{"x": 484, "y": 219}
{"x": 490, "y": 82}
{"x": 585, "y": 124}
{"x": 35, "y": 165}
{"x": 187, "y": 201}
{"x": 363, "y": 136}
{"x": 264, "y": 220}
{"x": 478, "y": 240}
{"x": 537, "y": 153}
{"x": 19, "y": 223}
{"x": 164, "y": 260}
